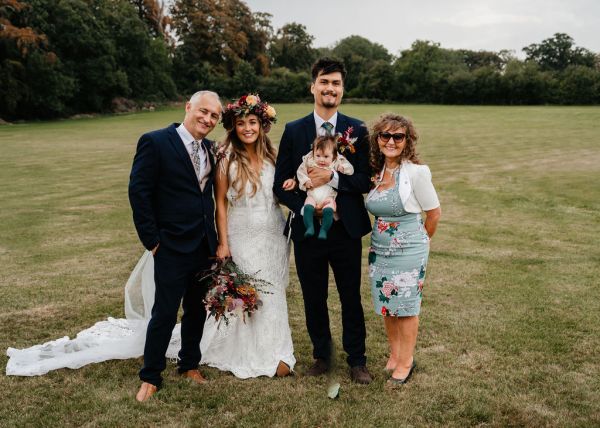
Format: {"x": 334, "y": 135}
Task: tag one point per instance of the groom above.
{"x": 342, "y": 250}
{"x": 170, "y": 191}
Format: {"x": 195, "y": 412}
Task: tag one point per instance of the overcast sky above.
{"x": 469, "y": 24}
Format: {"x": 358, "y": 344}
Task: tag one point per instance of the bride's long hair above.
{"x": 239, "y": 155}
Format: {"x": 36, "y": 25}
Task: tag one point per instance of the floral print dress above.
{"x": 398, "y": 254}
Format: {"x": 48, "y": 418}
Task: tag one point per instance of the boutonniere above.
{"x": 344, "y": 142}
{"x": 219, "y": 152}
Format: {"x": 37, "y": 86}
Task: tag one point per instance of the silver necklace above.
{"x": 391, "y": 171}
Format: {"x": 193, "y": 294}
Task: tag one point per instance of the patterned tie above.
{"x": 196, "y": 159}
{"x": 202, "y": 168}
{"x": 328, "y": 127}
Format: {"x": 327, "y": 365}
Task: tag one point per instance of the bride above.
{"x": 250, "y": 228}
{"x": 250, "y": 225}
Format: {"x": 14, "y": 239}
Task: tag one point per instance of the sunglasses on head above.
{"x": 398, "y": 137}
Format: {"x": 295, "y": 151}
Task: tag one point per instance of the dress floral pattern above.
{"x": 398, "y": 255}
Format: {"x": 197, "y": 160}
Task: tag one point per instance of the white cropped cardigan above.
{"x": 415, "y": 188}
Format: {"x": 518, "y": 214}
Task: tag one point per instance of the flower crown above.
{"x": 249, "y": 104}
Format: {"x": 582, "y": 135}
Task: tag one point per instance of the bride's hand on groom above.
{"x": 289, "y": 184}
{"x": 223, "y": 251}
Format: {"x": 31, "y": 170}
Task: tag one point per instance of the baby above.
{"x": 323, "y": 155}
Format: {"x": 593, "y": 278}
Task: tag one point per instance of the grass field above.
{"x": 510, "y": 325}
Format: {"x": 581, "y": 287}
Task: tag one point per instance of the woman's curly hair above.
{"x": 392, "y": 121}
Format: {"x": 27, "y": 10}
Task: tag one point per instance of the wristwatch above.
{"x": 331, "y": 176}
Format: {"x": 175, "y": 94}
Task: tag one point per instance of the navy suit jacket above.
{"x": 168, "y": 205}
{"x": 296, "y": 141}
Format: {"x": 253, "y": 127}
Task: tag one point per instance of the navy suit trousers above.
{"x": 174, "y": 278}
{"x": 313, "y": 258}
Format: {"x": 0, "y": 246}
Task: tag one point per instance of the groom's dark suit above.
{"x": 342, "y": 250}
{"x": 170, "y": 208}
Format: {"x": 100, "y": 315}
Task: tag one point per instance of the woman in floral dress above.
{"x": 400, "y": 239}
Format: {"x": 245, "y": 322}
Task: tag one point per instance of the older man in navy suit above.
{"x": 342, "y": 250}
{"x": 171, "y": 195}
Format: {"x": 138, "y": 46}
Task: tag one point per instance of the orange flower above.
{"x": 251, "y": 100}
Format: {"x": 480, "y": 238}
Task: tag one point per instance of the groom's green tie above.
{"x": 328, "y": 127}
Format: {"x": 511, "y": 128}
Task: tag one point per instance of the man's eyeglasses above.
{"x": 398, "y": 138}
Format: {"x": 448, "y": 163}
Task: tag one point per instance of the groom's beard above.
{"x": 330, "y": 102}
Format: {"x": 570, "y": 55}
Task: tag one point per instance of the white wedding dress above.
{"x": 250, "y": 349}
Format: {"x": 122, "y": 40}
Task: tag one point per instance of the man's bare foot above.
{"x": 146, "y": 391}
{"x": 195, "y": 376}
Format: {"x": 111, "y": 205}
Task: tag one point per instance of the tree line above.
{"x": 62, "y": 57}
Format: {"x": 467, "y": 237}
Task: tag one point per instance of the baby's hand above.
{"x": 289, "y": 184}
{"x": 308, "y": 184}
{"x": 340, "y": 169}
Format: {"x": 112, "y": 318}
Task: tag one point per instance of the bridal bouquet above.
{"x": 231, "y": 292}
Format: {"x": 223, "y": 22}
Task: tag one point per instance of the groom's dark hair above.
{"x": 328, "y": 65}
